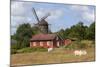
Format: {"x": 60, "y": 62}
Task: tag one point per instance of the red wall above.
{"x": 67, "y": 41}
{"x": 38, "y": 44}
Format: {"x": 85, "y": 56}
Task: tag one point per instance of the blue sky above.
{"x": 62, "y": 16}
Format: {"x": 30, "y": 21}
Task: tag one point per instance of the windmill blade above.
{"x": 60, "y": 36}
{"x": 34, "y": 12}
{"x": 48, "y": 14}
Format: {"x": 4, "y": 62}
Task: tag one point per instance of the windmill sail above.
{"x": 42, "y": 24}
{"x": 60, "y": 36}
{"x": 48, "y": 14}
{"x": 34, "y": 12}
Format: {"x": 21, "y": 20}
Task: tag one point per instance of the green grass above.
{"x": 28, "y": 50}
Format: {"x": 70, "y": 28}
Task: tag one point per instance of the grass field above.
{"x": 58, "y": 55}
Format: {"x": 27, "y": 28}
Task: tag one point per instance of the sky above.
{"x": 62, "y": 16}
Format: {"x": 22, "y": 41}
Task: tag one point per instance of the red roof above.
{"x": 43, "y": 37}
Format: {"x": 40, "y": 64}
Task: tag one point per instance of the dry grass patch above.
{"x": 58, "y": 55}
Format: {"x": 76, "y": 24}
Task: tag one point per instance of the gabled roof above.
{"x": 39, "y": 37}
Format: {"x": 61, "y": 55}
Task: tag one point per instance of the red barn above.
{"x": 45, "y": 40}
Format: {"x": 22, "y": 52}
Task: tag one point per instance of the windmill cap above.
{"x": 43, "y": 22}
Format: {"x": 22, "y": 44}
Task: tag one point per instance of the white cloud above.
{"x": 54, "y": 13}
{"x": 17, "y": 8}
{"x": 21, "y": 12}
{"x": 21, "y": 8}
{"x": 17, "y": 20}
{"x": 88, "y": 16}
{"x": 85, "y": 12}
{"x": 79, "y": 8}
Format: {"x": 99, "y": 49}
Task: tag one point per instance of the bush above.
{"x": 40, "y": 49}
{"x": 28, "y": 49}
{"x": 72, "y": 46}
{"x": 13, "y": 51}
{"x": 89, "y": 43}
{"x": 82, "y": 45}
{"x": 76, "y": 45}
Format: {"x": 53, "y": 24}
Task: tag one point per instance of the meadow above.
{"x": 58, "y": 55}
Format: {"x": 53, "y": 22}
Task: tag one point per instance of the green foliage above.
{"x": 84, "y": 44}
{"x": 25, "y": 50}
{"x": 79, "y": 31}
{"x": 23, "y": 34}
{"x": 61, "y": 33}
{"x": 91, "y": 32}
{"x": 89, "y": 43}
{"x": 28, "y": 49}
{"x": 13, "y": 51}
{"x": 74, "y": 45}
{"x": 36, "y": 30}
{"x": 14, "y": 46}
{"x": 24, "y": 30}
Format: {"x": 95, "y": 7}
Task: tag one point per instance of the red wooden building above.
{"x": 45, "y": 40}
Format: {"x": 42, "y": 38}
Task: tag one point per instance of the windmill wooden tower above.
{"x": 42, "y": 24}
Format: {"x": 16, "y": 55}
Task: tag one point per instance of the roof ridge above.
{"x": 43, "y": 37}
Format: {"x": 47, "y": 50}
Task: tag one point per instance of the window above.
{"x": 49, "y": 43}
{"x": 41, "y": 43}
{"x": 34, "y": 43}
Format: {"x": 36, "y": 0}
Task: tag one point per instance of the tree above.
{"x": 77, "y": 31}
{"x": 91, "y": 32}
{"x": 67, "y": 32}
{"x": 36, "y": 29}
{"x": 23, "y": 34}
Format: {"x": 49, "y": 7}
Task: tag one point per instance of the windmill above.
{"x": 42, "y": 24}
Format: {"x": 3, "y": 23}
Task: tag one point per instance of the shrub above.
{"x": 82, "y": 45}
{"x": 72, "y": 46}
{"x": 13, "y": 51}
{"x": 76, "y": 45}
{"x": 40, "y": 49}
{"x": 28, "y": 49}
{"x": 88, "y": 43}
{"x": 23, "y": 50}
